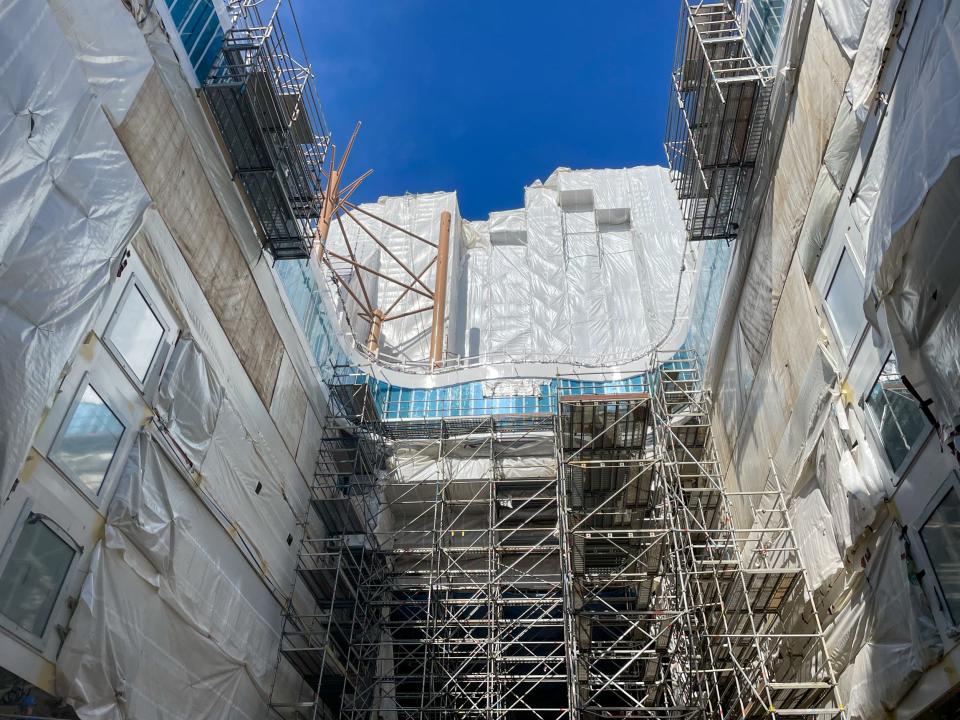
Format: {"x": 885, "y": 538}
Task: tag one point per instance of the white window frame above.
{"x": 900, "y": 471}
{"x": 951, "y": 625}
{"x": 109, "y": 476}
{"x": 152, "y": 379}
{"x": 849, "y": 353}
{"x": 39, "y": 642}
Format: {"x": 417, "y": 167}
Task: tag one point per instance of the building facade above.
{"x": 217, "y": 501}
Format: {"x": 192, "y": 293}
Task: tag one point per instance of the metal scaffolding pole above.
{"x": 584, "y": 563}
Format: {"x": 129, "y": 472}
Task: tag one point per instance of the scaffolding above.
{"x": 581, "y": 563}
{"x": 718, "y": 106}
{"x": 260, "y": 92}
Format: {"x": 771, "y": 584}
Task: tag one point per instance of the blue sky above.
{"x": 485, "y": 97}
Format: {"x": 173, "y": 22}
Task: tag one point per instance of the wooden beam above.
{"x": 373, "y": 339}
{"x": 440, "y": 292}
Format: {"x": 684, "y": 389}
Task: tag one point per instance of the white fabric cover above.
{"x": 845, "y": 18}
{"x": 918, "y": 138}
{"x": 877, "y": 26}
{"x": 110, "y": 48}
{"x": 594, "y": 269}
{"x": 903, "y": 637}
{"x": 854, "y": 495}
{"x": 189, "y": 400}
{"x": 170, "y": 609}
{"x": 813, "y": 528}
{"x": 231, "y": 462}
{"x": 130, "y": 655}
{"x": 70, "y": 202}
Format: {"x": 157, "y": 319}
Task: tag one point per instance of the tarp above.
{"x": 594, "y": 268}
{"x": 246, "y": 487}
{"x": 813, "y": 528}
{"x": 916, "y": 141}
{"x": 170, "y": 609}
{"x": 63, "y": 175}
{"x": 845, "y": 18}
{"x": 110, "y": 48}
{"x": 903, "y": 637}
{"x": 130, "y": 655}
{"x": 405, "y": 338}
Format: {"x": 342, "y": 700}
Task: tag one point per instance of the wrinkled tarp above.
{"x": 405, "y": 338}
{"x": 814, "y": 532}
{"x": 845, "y": 18}
{"x": 903, "y": 639}
{"x": 71, "y": 200}
{"x": 251, "y": 492}
{"x": 595, "y": 268}
{"x": 110, "y": 48}
{"x": 909, "y": 218}
{"x": 146, "y": 661}
{"x": 168, "y": 609}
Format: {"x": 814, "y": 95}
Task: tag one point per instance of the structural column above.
{"x": 330, "y": 199}
{"x": 440, "y": 292}
{"x": 376, "y": 325}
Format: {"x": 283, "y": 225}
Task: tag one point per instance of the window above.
{"x": 845, "y": 302}
{"x": 941, "y": 539}
{"x": 135, "y": 332}
{"x": 87, "y": 441}
{"x": 200, "y": 32}
{"x": 896, "y": 414}
{"x": 34, "y": 574}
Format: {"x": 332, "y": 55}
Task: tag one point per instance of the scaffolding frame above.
{"x": 261, "y": 94}
{"x": 717, "y": 112}
{"x": 579, "y": 564}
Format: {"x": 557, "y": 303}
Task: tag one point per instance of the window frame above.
{"x": 38, "y": 642}
{"x": 950, "y": 484}
{"x": 900, "y": 471}
{"x": 152, "y": 376}
{"x": 846, "y": 354}
{"x": 109, "y": 401}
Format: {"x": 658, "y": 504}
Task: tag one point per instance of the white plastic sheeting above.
{"x": 814, "y": 531}
{"x": 233, "y": 470}
{"x": 171, "y": 609}
{"x": 406, "y": 338}
{"x": 902, "y": 637}
{"x": 71, "y": 201}
{"x": 846, "y": 19}
{"x": 189, "y": 400}
{"x": 593, "y": 269}
{"x": 918, "y": 138}
{"x": 147, "y": 662}
{"x": 907, "y": 217}
{"x": 110, "y": 48}
{"x": 877, "y": 25}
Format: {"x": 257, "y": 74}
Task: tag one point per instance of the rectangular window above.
{"x": 845, "y": 302}
{"x": 87, "y": 441}
{"x": 135, "y": 332}
{"x": 763, "y": 29}
{"x": 941, "y": 539}
{"x": 34, "y": 575}
{"x": 896, "y": 414}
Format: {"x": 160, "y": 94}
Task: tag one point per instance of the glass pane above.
{"x": 896, "y": 414}
{"x": 845, "y": 302}
{"x": 31, "y": 581}
{"x": 87, "y": 443}
{"x": 136, "y": 333}
{"x": 941, "y": 537}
